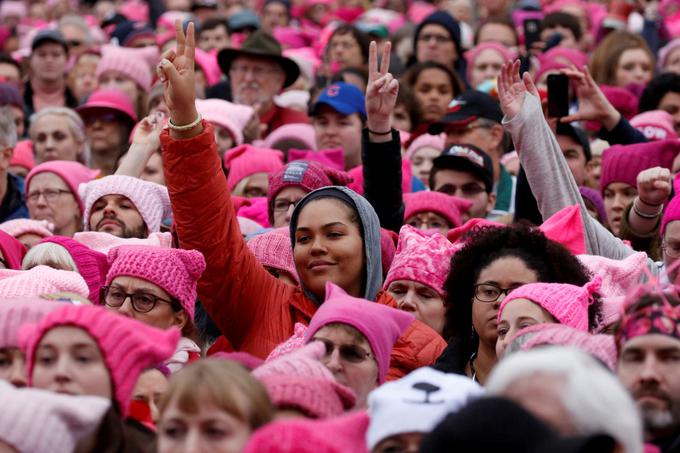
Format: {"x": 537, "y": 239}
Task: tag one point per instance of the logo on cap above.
{"x": 467, "y": 153}
{"x": 456, "y": 105}
{"x": 295, "y": 171}
{"x": 333, "y": 91}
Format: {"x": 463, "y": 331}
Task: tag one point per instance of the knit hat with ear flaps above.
{"x": 127, "y": 346}
{"x": 151, "y": 199}
{"x": 176, "y": 271}
{"x": 568, "y": 304}
{"x": 381, "y": 325}
{"x": 40, "y": 421}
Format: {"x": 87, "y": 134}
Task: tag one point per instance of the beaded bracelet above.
{"x": 185, "y": 127}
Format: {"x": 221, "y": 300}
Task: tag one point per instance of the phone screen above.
{"x": 558, "y": 95}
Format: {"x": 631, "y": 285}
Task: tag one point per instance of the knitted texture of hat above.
{"x": 439, "y": 203}
{"x": 16, "y": 312}
{"x": 150, "y": 199}
{"x": 12, "y": 250}
{"x": 425, "y": 141}
{"x": 672, "y": 212}
{"x": 220, "y": 113}
{"x": 308, "y": 175}
{"x": 568, "y": 304}
{"x": 656, "y": 318}
{"x": 381, "y": 325}
{"x": 176, "y": 271}
{"x": 123, "y": 60}
{"x": 334, "y": 435}
{"x": 619, "y": 277}
{"x": 273, "y": 249}
{"x": 19, "y": 227}
{"x": 299, "y": 132}
{"x": 333, "y": 157}
{"x": 40, "y": 421}
{"x": 104, "y": 242}
{"x": 128, "y": 346}
{"x": 421, "y": 258}
{"x": 92, "y": 265}
{"x": 72, "y": 173}
{"x": 655, "y": 125}
{"x": 246, "y": 160}
{"x": 296, "y": 341}
{"x": 41, "y": 280}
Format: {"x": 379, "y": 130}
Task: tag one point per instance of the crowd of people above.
{"x": 388, "y": 226}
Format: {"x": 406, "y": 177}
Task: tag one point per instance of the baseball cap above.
{"x": 342, "y": 97}
{"x": 467, "y": 107}
{"x": 577, "y": 135}
{"x": 44, "y": 36}
{"x": 467, "y": 158}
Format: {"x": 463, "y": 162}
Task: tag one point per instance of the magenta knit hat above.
{"x": 425, "y": 141}
{"x": 568, "y": 304}
{"x": 207, "y": 62}
{"x": 257, "y": 211}
{"x": 623, "y": 163}
{"x": 73, "y": 173}
{"x": 92, "y": 265}
{"x": 126, "y": 61}
{"x": 16, "y": 312}
{"x": 12, "y": 250}
{"x": 307, "y": 175}
{"x": 672, "y": 212}
{"x": 39, "y": 281}
{"x": 622, "y": 99}
{"x": 447, "y": 206}
{"x": 19, "y": 227}
{"x": 225, "y": 114}
{"x": 104, "y": 242}
{"x": 357, "y": 174}
{"x": 150, "y": 199}
{"x": 332, "y": 158}
{"x": 300, "y": 132}
{"x": 381, "y": 325}
{"x": 109, "y": 99}
{"x": 334, "y": 435}
{"x": 128, "y": 346}
{"x": 273, "y": 249}
{"x": 246, "y": 160}
{"x": 176, "y": 271}
{"x": 421, "y": 258}
{"x": 655, "y": 124}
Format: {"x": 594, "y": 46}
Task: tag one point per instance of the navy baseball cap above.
{"x": 342, "y": 97}
{"x": 467, "y": 107}
{"x": 44, "y": 36}
{"x": 467, "y": 158}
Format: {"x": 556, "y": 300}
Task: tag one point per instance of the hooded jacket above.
{"x": 254, "y": 310}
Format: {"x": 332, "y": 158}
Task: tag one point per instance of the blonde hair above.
{"x": 49, "y": 254}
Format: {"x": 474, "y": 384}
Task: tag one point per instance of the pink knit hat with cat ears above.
{"x": 72, "y": 173}
{"x": 151, "y": 199}
{"x": 421, "y": 258}
{"x": 128, "y": 346}
{"x": 381, "y": 325}
{"x": 16, "y": 312}
{"x": 224, "y": 114}
{"x": 447, "y": 206}
{"x": 176, "y": 271}
{"x": 568, "y": 304}
{"x": 425, "y": 141}
{"x": 19, "y": 227}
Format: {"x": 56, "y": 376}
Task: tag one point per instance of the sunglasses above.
{"x": 350, "y": 353}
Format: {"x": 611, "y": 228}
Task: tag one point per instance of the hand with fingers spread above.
{"x": 654, "y": 186}
{"x": 512, "y": 88}
{"x": 593, "y": 105}
{"x": 381, "y": 91}
{"x": 148, "y": 131}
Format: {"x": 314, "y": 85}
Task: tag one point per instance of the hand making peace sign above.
{"x": 381, "y": 91}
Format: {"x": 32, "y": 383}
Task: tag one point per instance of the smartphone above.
{"x": 558, "y": 95}
{"x": 532, "y": 32}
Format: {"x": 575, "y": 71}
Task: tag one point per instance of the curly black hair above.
{"x": 551, "y": 261}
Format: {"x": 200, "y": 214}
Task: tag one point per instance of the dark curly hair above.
{"x": 551, "y": 261}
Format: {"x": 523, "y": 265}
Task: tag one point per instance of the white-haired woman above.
{"x": 58, "y": 133}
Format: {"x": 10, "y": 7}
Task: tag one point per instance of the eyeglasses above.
{"x": 50, "y": 195}
{"x": 488, "y": 292}
{"x": 141, "y": 302}
{"x": 671, "y": 251}
{"x": 435, "y": 224}
{"x": 439, "y": 39}
{"x": 257, "y": 71}
{"x": 348, "y": 352}
{"x": 104, "y": 118}
{"x": 284, "y": 205}
{"x": 468, "y": 190}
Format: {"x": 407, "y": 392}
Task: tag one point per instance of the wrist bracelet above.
{"x": 185, "y": 127}
{"x": 647, "y": 216}
{"x": 649, "y": 204}
{"x": 380, "y": 133}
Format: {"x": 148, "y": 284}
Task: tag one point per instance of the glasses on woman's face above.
{"x": 51, "y": 195}
{"x": 488, "y": 292}
{"x": 350, "y": 353}
{"x": 671, "y": 250}
{"x": 141, "y": 302}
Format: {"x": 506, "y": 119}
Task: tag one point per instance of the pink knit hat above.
{"x": 299, "y": 380}
{"x": 619, "y": 277}
{"x": 381, "y": 325}
{"x": 92, "y": 265}
{"x": 257, "y": 211}
{"x": 41, "y": 421}
{"x": 41, "y": 280}
{"x": 246, "y": 160}
{"x": 23, "y": 155}
{"x": 109, "y": 99}
{"x": 295, "y": 342}
{"x": 623, "y": 163}
{"x": 19, "y": 227}
{"x": 128, "y": 346}
{"x": 19, "y": 311}
{"x": 273, "y": 249}
{"x": 472, "y": 54}
{"x": 421, "y": 258}
{"x": 568, "y": 304}
{"x": 150, "y": 199}
{"x": 307, "y": 175}
{"x": 335, "y": 435}
{"x": 563, "y": 56}
{"x": 222, "y": 113}
{"x": 333, "y": 158}
{"x": 207, "y": 61}
{"x": 357, "y": 173}
{"x": 72, "y": 173}
{"x": 176, "y": 271}
{"x": 12, "y": 250}
{"x": 665, "y": 52}
{"x": 303, "y": 133}
{"x": 447, "y": 206}
{"x": 104, "y": 242}
{"x": 126, "y": 61}
{"x": 425, "y": 141}
{"x": 655, "y": 124}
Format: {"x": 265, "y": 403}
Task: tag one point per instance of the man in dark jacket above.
{"x": 11, "y": 187}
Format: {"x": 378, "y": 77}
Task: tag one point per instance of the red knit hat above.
{"x": 128, "y": 346}
{"x": 440, "y": 203}
{"x": 246, "y": 160}
{"x": 306, "y": 174}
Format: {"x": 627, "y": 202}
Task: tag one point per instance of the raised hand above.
{"x": 148, "y": 131}
{"x": 654, "y": 186}
{"x": 592, "y": 103}
{"x": 512, "y": 88}
{"x": 381, "y": 91}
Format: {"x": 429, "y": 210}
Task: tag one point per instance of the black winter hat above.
{"x": 447, "y": 21}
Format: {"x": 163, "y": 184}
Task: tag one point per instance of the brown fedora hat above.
{"x": 261, "y": 45}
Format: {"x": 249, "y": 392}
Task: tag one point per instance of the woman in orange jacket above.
{"x": 334, "y": 232}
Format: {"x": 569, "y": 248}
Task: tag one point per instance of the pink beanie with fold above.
{"x": 128, "y": 346}
{"x": 447, "y": 206}
{"x": 273, "y": 249}
{"x": 41, "y": 280}
{"x": 655, "y": 125}
{"x": 568, "y": 304}
{"x": 16, "y": 312}
{"x": 19, "y": 227}
{"x": 92, "y": 265}
{"x": 472, "y": 54}
{"x": 299, "y": 132}
{"x": 226, "y": 115}
{"x": 127, "y": 61}
{"x": 425, "y": 141}
{"x": 151, "y": 199}
{"x": 73, "y": 173}
{"x": 246, "y": 160}
{"x": 380, "y": 324}
{"x": 307, "y": 175}
{"x": 421, "y": 258}
{"x": 176, "y": 271}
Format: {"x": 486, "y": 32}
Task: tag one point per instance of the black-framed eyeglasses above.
{"x": 468, "y": 190}
{"x": 348, "y": 352}
{"x": 284, "y": 205}
{"x": 141, "y": 302}
{"x": 50, "y": 195}
{"x": 488, "y": 292}
{"x": 439, "y": 39}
